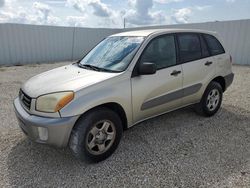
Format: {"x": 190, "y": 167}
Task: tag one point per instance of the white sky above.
{"x": 110, "y": 13}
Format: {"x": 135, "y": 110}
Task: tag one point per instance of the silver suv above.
{"x": 125, "y": 79}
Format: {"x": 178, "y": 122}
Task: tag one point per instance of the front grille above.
{"x": 25, "y": 99}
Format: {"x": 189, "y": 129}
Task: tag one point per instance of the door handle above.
{"x": 208, "y": 63}
{"x": 175, "y": 73}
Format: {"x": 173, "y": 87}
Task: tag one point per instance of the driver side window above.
{"x": 160, "y": 51}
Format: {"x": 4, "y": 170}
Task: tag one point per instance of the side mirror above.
{"x": 147, "y": 68}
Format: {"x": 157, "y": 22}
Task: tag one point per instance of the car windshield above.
{"x": 112, "y": 54}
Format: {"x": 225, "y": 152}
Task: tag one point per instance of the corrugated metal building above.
{"x": 27, "y": 44}
{"x": 24, "y": 44}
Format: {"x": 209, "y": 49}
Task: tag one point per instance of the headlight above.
{"x": 53, "y": 102}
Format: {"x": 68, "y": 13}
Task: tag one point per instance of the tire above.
{"x": 91, "y": 139}
{"x": 206, "y": 108}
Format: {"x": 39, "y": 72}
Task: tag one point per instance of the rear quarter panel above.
{"x": 223, "y": 64}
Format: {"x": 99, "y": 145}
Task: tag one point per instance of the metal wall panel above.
{"x": 4, "y": 45}
{"x": 24, "y": 44}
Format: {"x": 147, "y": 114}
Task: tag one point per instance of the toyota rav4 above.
{"x": 127, "y": 78}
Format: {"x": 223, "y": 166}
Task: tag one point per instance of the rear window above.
{"x": 189, "y": 47}
{"x": 214, "y": 45}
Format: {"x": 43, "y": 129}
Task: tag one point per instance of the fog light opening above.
{"x": 43, "y": 133}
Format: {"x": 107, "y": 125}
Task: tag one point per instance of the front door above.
{"x": 160, "y": 92}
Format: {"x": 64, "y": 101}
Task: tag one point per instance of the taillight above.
{"x": 231, "y": 59}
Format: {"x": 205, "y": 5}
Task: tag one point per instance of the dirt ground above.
{"x": 179, "y": 149}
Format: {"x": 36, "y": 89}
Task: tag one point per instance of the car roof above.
{"x": 145, "y": 33}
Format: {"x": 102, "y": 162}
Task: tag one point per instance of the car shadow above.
{"x": 178, "y": 149}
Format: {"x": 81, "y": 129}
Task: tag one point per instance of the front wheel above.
{"x": 211, "y": 100}
{"x": 96, "y": 135}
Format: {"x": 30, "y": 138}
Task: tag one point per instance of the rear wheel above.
{"x": 96, "y": 135}
{"x": 211, "y": 100}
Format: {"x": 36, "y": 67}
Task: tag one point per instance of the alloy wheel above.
{"x": 101, "y": 137}
{"x": 213, "y": 99}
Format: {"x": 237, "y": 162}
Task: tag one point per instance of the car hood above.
{"x": 66, "y": 78}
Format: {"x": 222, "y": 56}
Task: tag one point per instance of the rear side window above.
{"x": 189, "y": 47}
{"x": 214, "y": 45}
{"x": 204, "y": 48}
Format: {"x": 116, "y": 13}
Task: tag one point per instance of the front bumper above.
{"x": 46, "y": 130}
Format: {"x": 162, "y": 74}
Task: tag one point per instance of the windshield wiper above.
{"x": 89, "y": 67}
{"x": 92, "y": 67}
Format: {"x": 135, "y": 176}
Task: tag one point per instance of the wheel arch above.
{"x": 221, "y": 81}
{"x": 117, "y": 108}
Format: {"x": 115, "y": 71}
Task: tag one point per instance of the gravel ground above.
{"x": 179, "y": 149}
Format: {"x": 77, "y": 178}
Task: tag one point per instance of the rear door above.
{"x": 197, "y": 64}
{"x": 160, "y": 92}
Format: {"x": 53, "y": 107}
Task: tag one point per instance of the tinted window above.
{"x": 214, "y": 45}
{"x": 190, "y": 48}
{"x": 160, "y": 51}
{"x": 205, "y": 51}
